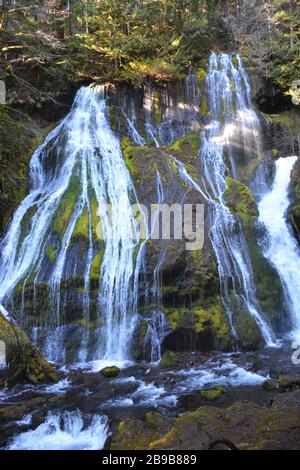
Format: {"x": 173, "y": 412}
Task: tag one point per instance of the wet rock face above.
{"x": 295, "y": 206}
{"x": 23, "y": 360}
{"x": 246, "y": 425}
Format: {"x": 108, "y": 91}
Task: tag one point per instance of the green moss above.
{"x": 201, "y": 75}
{"x": 269, "y": 118}
{"x": 235, "y": 60}
{"x": 275, "y": 153}
{"x": 25, "y": 362}
{"x": 94, "y": 213}
{"x": 214, "y": 393}
{"x": 197, "y": 256}
{"x": 81, "y": 230}
{"x": 175, "y": 316}
{"x": 156, "y": 110}
{"x": 129, "y": 152}
{"x": 110, "y": 371}
{"x": 137, "y": 249}
{"x": 66, "y": 206}
{"x": 96, "y": 266}
{"x": 239, "y": 199}
{"x": 214, "y": 319}
{"x": 270, "y": 385}
{"x": 51, "y": 253}
{"x": 172, "y": 164}
{"x": 189, "y": 143}
{"x": 232, "y": 86}
{"x": 168, "y": 359}
{"x": 209, "y": 320}
{"x": 15, "y": 136}
{"x": 203, "y": 110}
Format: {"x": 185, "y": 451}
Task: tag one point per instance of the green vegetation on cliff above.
{"x": 295, "y": 208}
{"x": 240, "y": 201}
{"x": 24, "y": 361}
{"x": 101, "y": 39}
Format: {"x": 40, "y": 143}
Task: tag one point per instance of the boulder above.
{"x": 288, "y": 382}
{"x": 214, "y": 393}
{"x": 24, "y": 361}
{"x": 110, "y": 371}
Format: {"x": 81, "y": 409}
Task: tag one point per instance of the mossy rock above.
{"x": 214, "y": 393}
{"x": 246, "y": 424}
{"x": 110, "y": 371}
{"x": 276, "y": 373}
{"x": 51, "y": 253}
{"x": 24, "y": 361}
{"x": 204, "y": 105}
{"x": 131, "y": 152}
{"x": 66, "y": 206}
{"x": 275, "y": 153}
{"x": 207, "y": 322}
{"x": 17, "y": 135}
{"x": 201, "y": 75}
{"x": 239, "y": 199}
{"x": 96, "y": 268}
{"x": 269, "y": 291}
{"x": 187, "y": 145}
{"x": 138, "y": 349}
{"x": 294, "y": 214}
{"x": 212, "y": 318}
{"x": 249, "y": 336}
{"x": 288, "y": 382}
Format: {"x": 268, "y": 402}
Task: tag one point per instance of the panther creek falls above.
{"x": 150, "y": 276}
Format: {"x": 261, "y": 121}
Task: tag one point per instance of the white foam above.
{"x": 25, "y": 421}
{"x": 280, "y": 246}
{"x": 64, "y": 432}
{"x": 147, "y": 394}
{"x": 58, "y": 388}
{"x": 227, "y": 373}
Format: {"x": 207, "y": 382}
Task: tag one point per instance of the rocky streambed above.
{"x": 187, "y": 402}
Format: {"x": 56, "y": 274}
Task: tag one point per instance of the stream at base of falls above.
{"x": 82, "y": 410}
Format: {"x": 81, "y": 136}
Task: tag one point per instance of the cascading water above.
{"x": 279, "y": 245}
{"x": 158, "y": 326}
{"x": 229, "y": 96}
{"x": 226, "y": 233}
{"x": 78, "y": 175}
{"x": 178, "y": 113}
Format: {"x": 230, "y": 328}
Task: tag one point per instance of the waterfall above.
{"x": 280, "y": 246}
{"x": 79, "y": 180}
{"x": 230, "y": 111}
{"x": 178, "y": 113}
{"x": 158, "y": 326}
{"x": 229, "y": 96}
